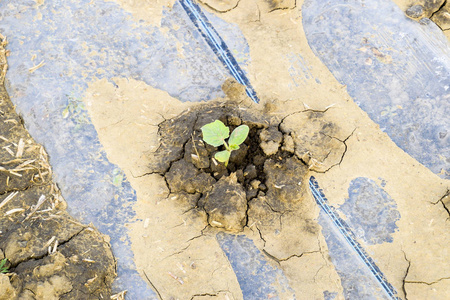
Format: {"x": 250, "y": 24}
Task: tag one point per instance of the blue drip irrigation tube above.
{"x": 217, "y": 45}
{"x": 349, "y": 236}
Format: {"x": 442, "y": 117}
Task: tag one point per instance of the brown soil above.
{"x": 49, "y": 254}
{"x": 169, "y": 236}
{"x": 170, "y": 239}
{"x": 222, "y": 192}
{"x": 271, "y": 165}
{"x": 436, "y": 10}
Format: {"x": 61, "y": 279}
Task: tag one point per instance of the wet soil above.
{"x": 268, "y": 170}
{"x": 50, "y": 255}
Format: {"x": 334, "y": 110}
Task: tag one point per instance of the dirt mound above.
{"x": 269, "y": 169}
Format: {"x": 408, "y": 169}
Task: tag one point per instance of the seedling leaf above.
{"x": 239, "y": 135}
{"x": 234, "y": 147}
{"x": 223, "y": 156}
{"x": 215, "y": 133}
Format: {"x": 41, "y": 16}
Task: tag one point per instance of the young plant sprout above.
{"x": 215, "y": 134}
{"x": 3, "y": 268}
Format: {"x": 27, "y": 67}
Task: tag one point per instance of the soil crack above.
{"x": 218, "y": 10}
{"x": 46, "y": 253}
{"x": 279, "y": 260}
{"x": 152, "y": 285}
{"x": 427, "y": 283}
{"x": 65, "y": 294}
{"x": 343, "y": 154}
{"x": 441, "y": 200}
{"x": 346, "y": 146}
{"x": 60, "y": 244}
{"x": 261, "y": 236}
{"x": 284, "y": 8}
{"x": 299, "y": 112}
{"x": 404, "y": 277}
{"x": 178, "y": 252}
{"x": 214, "y": 294}
{"x": 438, "y": 9}
{"x": 200, "y": 235}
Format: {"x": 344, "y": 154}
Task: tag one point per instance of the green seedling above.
{"x": 215, "y": 134}
{"x": 3, "y": 269}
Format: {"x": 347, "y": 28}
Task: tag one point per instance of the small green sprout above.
{"x": 215, "y": 134}
{"x": 3, "y": 269}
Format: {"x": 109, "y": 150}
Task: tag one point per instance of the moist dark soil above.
{"x": 265, "y": 166}
{"x": 49, "y": 254}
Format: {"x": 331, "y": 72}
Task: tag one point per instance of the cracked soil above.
{"x": 50, "y": 254}
{"x": 181, "y": 192}
{"x": 303, "y": 127}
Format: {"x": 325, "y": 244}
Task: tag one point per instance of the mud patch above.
{"x": 269, "y": 170}
{"x": 49, "y": 254}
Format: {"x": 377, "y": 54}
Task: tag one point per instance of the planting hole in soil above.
{"x": 269, "y": 169}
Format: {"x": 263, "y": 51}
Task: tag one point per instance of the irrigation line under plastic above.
{"x": 349, "y": 236}
{"x": 218, "y": 46}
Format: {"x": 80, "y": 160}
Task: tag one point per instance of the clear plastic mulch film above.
{"x": 408, "y": 93}
{"x": 82, "y": 40}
